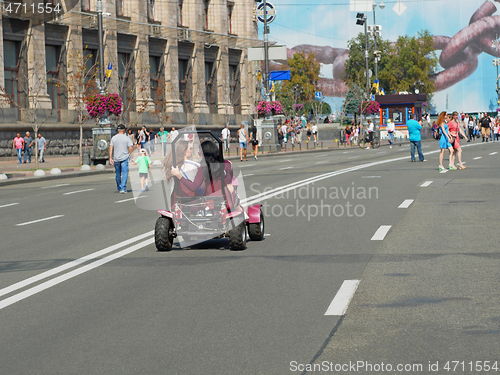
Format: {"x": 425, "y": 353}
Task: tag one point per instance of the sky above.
{"x": 332, "y": 23}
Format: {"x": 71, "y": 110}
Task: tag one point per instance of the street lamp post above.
{"x": 103, "y": 120}
{"x": 376, "y": 31}
{"x": 361, "y": 20}
{"x": 266, "y": 54}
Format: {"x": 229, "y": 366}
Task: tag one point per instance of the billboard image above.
{"x": 465, "y": 34}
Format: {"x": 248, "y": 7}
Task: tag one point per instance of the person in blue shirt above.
{"x": 414, "y": 128}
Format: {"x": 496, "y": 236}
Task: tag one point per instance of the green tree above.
{"x": 304, "y": 70}
{"x": 405, "y": 65}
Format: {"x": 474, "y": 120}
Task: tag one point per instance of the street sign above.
{"x": 317, "y": 95}
{"x": 280, "y": 75}
{"x": 370, "y": 73}
{"x": 270, "y": 12}
{"x": 275, "y": 53}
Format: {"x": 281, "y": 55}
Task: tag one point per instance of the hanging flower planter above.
{"x": 265, "y": 108}
{"x": 370, "y": 108}
{"x": 98, "y": 104}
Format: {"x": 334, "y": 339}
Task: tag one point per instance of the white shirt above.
{"x": 283, "y": 129}
{"x": 173, "y": 135}
{"x": 315, "y": 129}
{"x": 241, "y": 135}
{"x": 390, "y": 126}
{"x": 225, "y": 133}
{"x": 370, "y": 127}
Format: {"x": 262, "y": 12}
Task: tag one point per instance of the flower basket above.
{"x": 265, "y": 108}
{"x": 297, "y": 107}
{"x": 370, "y": 108}
{"x": 99, "y": 104}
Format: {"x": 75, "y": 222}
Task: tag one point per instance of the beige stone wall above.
{"x": 3, "y": 103}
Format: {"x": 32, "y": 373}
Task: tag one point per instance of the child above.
{"x": 144, "y": 167}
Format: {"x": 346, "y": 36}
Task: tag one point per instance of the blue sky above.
{"x": 331, "y": 23}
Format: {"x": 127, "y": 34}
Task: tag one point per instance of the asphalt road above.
{"x": 85, "y": 292}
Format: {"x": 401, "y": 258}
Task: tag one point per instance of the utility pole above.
{"x": 266, "y": 54}
{"x": 367, "y": 72}
{"x": 103, "y": 120}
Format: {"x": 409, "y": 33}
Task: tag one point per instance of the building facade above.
{"x": 174, "y": 62}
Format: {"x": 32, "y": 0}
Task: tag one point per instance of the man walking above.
{"x": 18, "y": 145}
{"x": 122, "y": 147}
{"x": 414, "y": 128}
{"x": 42, "y": 146}
{"x": 485, "y": 127}
{"x": 390, "y": 131}
{"x": 243, "y": 139}
{"x": 28, "y": 143}
{"x": 226, "y": 137}
{"x": 370, "y": 130}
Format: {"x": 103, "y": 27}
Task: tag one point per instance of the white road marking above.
{"x": 49, "y": 187}
{"x": 248, "y": 175}
{"x": 381, "y": 152}
{"x": 8, "y": 205}
{"x": 494, "y": 153}
{"x": 346, "y": 152}
{"x": 381, "y": 233}
{"x": 282, "y": 161}
{"x": 445, "y": 171}
{"x": 74, "y": 263}
{"x": 406, "y": 203}
{"x": 78, "y": 191}
{"x": 341, "y": 301}
{"x": 131, "y": 199}
{"x": 282, "y": 169}
{"x": 246, "y": 165}
{"x": 479, "y": 157}
{"x": 426, "y": 183}
{"x": 370, "y": 177}
{"x": 50, "y": 283}
{"x": 353, "y": 157}
{"x": 266, "y": 234}
{"x": 39, "y": 220}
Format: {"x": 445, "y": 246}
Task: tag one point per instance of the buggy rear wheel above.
{"x": 376, "y": 142}
{"x": 164, "y": 236}
{"x": 362, "y": 142}
{"x": 256, "y": 230}
{"x": 238, "y": 237}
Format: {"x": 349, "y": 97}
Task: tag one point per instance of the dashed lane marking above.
{"x": 426, "y": 183}
{"x": 78, "y": 191}
{"x": 8, "y": 205}
{"x": 282, "y": 169}
{"x": 341, "y": 301}
{"x": 131, "y": 199}
{"x": 381, "y": 233}
{"x": 54, "y": 186}
{"x": 494, "y": 153}
{"x": 406, "y": 203}
{"x": 39, "y": 220}
{"x": 479, "y": 157}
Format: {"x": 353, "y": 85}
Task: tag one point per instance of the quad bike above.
{"x": 209, "y": 214}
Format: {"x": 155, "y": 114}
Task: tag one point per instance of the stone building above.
{"x": 175, "y": 62}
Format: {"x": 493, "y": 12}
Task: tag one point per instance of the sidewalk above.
{"x": 69, "y": 165}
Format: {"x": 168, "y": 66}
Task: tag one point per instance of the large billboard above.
{"x": 465, "y": 36}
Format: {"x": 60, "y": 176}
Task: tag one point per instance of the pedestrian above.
{"x": 455, "y": 129}
{"x": 355, "y": 135}
{"x": 144, "y": 163}
{"x": 173, "y": 134}
{"x": 414, "y": 128}
{"x": 18, "y": 145}
{"x": 470, "y": 128}
{"x": 370, "y": 130}
{"x": 299, "y": 130}
{"x": 138, "y": 139}
{"x": 315, "y": 132}
{"x": 131, "y": 136}
{"x": 226, "y": 137}
{"x": 255, "y": 140}
{"x": 152, "y": 140}
{"x": 309, "y": 132}
{"x": 347, "y": 134}
{"x": 284, "y": 131}
{"x": 496, "y": 127}
{"x": 42, "y": 146}
{"x": 444, "y": 142}
{"x": 161, "y": 137}
{"x": 28, "y": 143}
{"x": 143, "y": 138}
{"x": 243, "y": 139}
{"x": 120, "y": 149}
{"x": 485, "y": 127}
{"x": 390, "y": 132}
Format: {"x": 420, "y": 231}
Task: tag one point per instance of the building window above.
{"x": 211, "y": 87}
{"x": 151, "y": 10}
{"x": 155, "y": 75}
{"x": 85, "y": 4}
{"x": 206, "y": 4}
{"x": 53, "y": 87}
{"x": 119, "y": 7}
{"x": 179, "y": 12}
{"x": 124, "y": 67}
{"x": 11, "y": 73}
{"x": 230, "y": 19}
{"x": 183, "y": 80}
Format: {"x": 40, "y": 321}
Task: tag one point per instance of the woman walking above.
{"x": 455, "y": 130}
{"x": 255, "y": 140}
{"x": 348, "y": 134}
{"x": 444, "y": 142}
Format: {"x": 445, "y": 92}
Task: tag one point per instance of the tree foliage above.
{"x": 405, "y": 65}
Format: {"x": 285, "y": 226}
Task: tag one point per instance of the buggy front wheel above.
{"x": 238, "y": 237}
{"x": 164, "y": 236}
{"x": 256, "y": 230}
{"x": 362, "y": 142}
{"x": 376, "y": 142}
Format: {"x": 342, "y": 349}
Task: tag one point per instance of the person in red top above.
{"x": 454, "y": 128}
{"x": 17, "y": 144}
